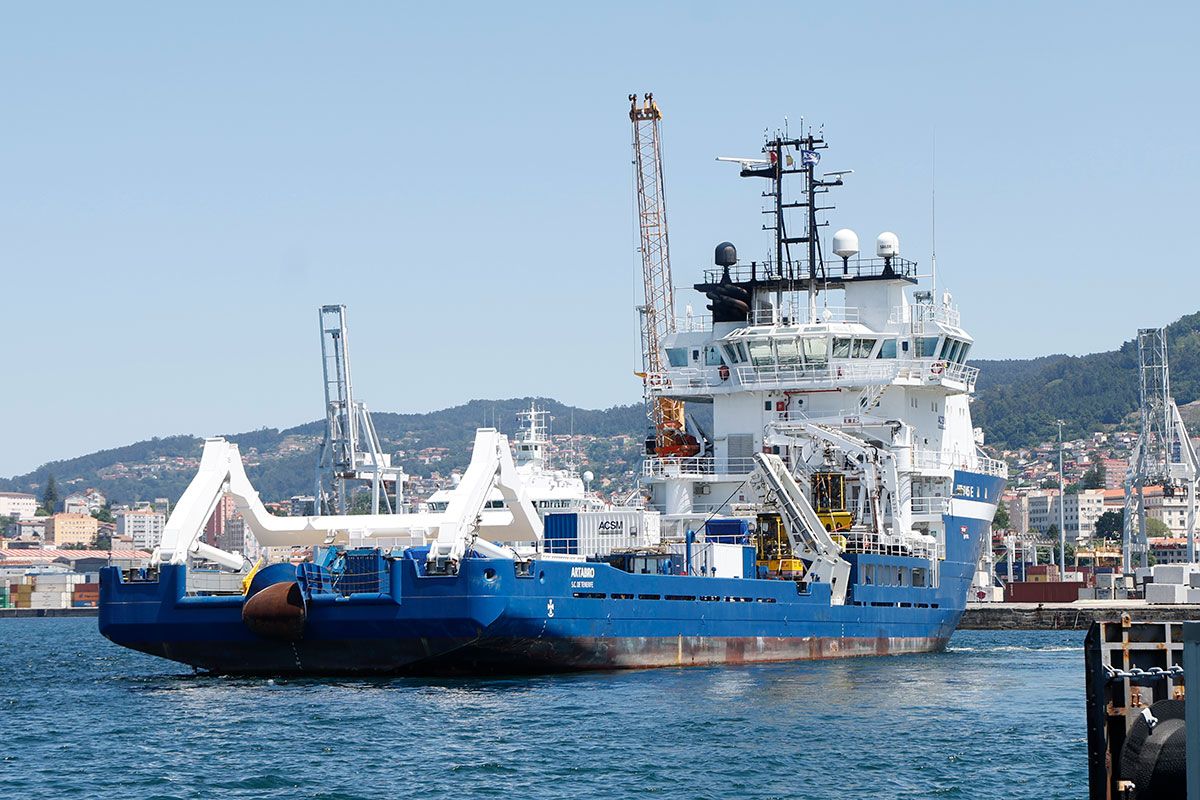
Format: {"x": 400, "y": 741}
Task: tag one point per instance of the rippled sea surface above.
{"x": 999, "y": 715}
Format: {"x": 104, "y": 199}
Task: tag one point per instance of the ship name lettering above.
{"x": 583, "y": 572}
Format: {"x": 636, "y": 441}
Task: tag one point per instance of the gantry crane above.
{"x": 351, "y": 449}
{"x": 1163, "y": 455}
{"x": 665, "y": 416}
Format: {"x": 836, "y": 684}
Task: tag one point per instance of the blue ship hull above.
{"x": 561, "y": 616}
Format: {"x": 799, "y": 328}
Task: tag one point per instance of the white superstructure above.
{"x": 551, "y": 490}
{"x": 845, "y": 369}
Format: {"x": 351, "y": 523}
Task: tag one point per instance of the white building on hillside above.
{"x": 17, "y": 504}
{"x": 144, "y": 527}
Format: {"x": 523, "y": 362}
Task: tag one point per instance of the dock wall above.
{"x": 1067, "y": 616}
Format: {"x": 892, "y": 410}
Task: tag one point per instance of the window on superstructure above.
{"x": 816, "y": 350}
{"x": 789, "y": 351}
{"x": 927, "y": 346}
{"x": 677, "y": 356}
{"x": 841, "y": 348}
{"x": 863, "y": 348}
{"x": 712, "y": 357}
{"x": 962, "y": 353}
{"x": 760, "y": 352}
{"x": 887, "y": 349}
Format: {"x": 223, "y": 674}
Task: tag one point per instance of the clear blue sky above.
{"x": 181, "y": 185}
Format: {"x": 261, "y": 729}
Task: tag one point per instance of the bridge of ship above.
{"x": 780, "y": 350}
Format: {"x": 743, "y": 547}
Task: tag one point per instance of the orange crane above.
{"x": 664, "y": 415}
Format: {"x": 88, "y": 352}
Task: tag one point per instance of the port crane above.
{"x": 665, "y": 416}
{"x": 1163, "y": 455}
{"x": 350, "y": 450}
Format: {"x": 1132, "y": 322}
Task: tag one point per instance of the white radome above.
{"x": 845, "y": 243}
{"x": 887, "y": 245}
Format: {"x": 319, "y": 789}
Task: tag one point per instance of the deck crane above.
{"x": 351, "y": 448}
{"x": 1163, "y": 454}
{"x": 664, "y": 416}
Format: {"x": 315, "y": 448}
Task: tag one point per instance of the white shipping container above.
{"x": 1193, "y": 596}
{"x": 1194, "y": 579}
{"x": 1161, "y": 593}
{"x": 603, "y": 532}
{"x": 51, "y": 580}
{"x": 49, "y": 599}
{"x": 1173, "y": 573}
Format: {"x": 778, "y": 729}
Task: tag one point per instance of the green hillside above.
{"x": 281, "y": 462}
{"x": 1017, "y": 401}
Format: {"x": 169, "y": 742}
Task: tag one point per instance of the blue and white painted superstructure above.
{"x": 827, "y": 498}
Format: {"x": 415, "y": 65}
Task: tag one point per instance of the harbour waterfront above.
{"x": 998, "y": 715}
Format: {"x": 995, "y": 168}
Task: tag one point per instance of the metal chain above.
{"x": 1137, "y": 672}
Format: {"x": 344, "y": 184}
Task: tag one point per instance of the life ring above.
{"x": 723, "y": 371}
{"x": 654, "y": 379}
{"x": 938, "y": 367}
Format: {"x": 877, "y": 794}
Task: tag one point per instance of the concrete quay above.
{"x": 10, "y": 613}
{"x": 1068, "y": 616}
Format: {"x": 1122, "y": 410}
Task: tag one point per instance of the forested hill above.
{"x": 1017, "y": 401}
{"x": 280, "y": 463}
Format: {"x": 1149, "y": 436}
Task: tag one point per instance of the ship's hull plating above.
{"x": 561, "y": 616}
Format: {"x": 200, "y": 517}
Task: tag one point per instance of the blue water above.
{"x": 999, "y": 715}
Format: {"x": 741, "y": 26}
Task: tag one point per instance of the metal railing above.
{"x": 693, "y": 322}
{"x": 835, "y": 270}
{"x": 799, "y": 316}
{"x": 839, "y": 372}
{"x": 213, "y": 583}
{"x": 694, "y": 466}
{"x": 930, "y": 505}
{"x": 917, "y": 315}
{"x": 991, "y": 466}
{"x": 887, "y": 545}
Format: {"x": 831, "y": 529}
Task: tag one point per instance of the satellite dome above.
{"x": 845, "y": 243}
{"x": 588, "y": 477}
{"x": 726, "y": 254}
{"x": 887, "y": 245}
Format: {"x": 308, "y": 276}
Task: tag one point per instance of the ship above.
{"x": 822, "y": 494}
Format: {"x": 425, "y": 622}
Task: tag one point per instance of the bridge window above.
{"x": 789, "y": 351}
{"x": 927, "y": 347}
{"x": 888, "y": 349}
{"x": 760, "y": 352}
{"x": 816, "y": 350}
{"x": 712, "y": 357}
{"x": 863, "y": 348}
{"x": 841, "y": 348}
{"x": 677, "y": 356}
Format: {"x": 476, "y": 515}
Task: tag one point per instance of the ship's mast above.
{"x": 658, "y": 311}
{"x": 781, "y": 162}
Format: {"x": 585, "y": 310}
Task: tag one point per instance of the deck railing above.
{"x": 672, "y": 466}
{"x": 841, "y": 372}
